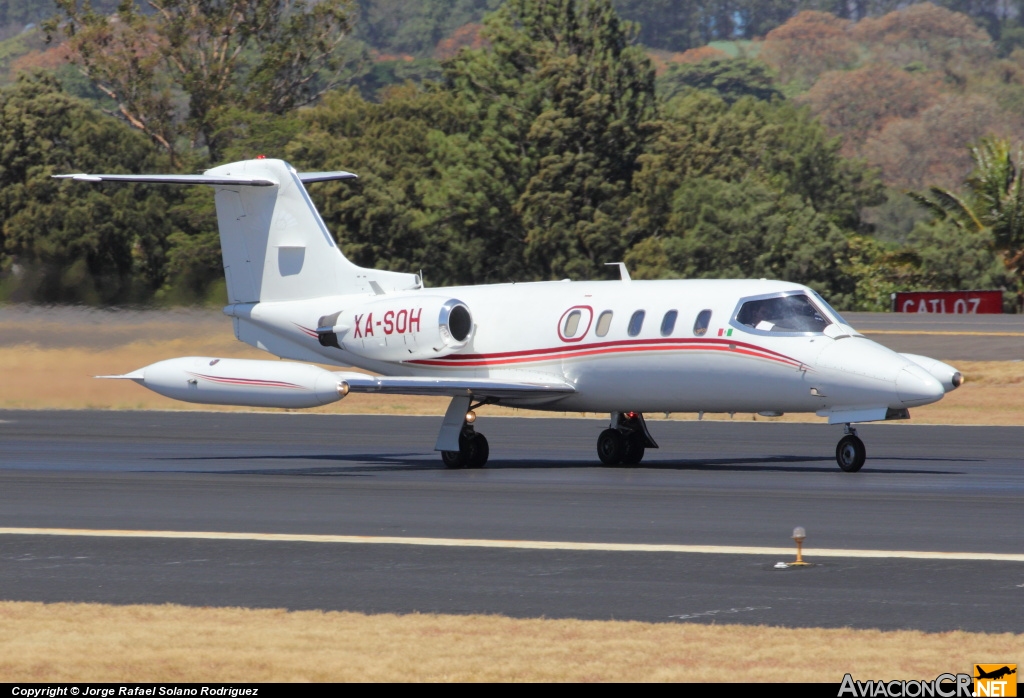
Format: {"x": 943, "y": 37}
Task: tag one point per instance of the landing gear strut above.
{"x": 457, "y": 430}
{"x": 625, "y": 440}
{"x": 850, "y": 453}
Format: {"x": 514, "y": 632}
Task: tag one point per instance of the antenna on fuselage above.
{"x": 623, "y": 272}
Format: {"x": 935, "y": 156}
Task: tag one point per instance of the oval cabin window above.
{"x": 636, "y": 323}
{"x": 700, "y": 325}
{"x": 604, "y": 323}
{"x": 668, "y": 323}
{"x": 572, "y": 324}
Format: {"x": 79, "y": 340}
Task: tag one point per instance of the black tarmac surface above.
{"x": 945, "y": 489}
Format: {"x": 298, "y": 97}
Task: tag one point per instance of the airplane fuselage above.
{"x": 703, "y": 361}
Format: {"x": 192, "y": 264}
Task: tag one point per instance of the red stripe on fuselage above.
{"x": 306, "y": 330}
{"x": 619, "y": 347}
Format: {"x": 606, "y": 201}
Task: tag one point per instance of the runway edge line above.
{"x": 511, "y": 544}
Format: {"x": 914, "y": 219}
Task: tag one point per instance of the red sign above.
{"x": 955, "y": 302}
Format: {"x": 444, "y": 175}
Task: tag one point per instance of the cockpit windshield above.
{"x": 796, "y": 313}
{"x": 822, "y": 303}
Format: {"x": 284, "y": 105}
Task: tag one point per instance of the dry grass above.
{"x": 47, "y": 378}
{"x": 93, "y": 642}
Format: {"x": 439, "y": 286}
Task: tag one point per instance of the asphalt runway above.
{"x": 925, "y": 488}
{"x": 946, "y": 337}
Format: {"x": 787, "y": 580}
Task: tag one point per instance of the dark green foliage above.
{"x": 946, "y": 256}
{"x": 415, "y": 28}
{"x": 777, "y": 143}
{"x": 64, "y": 242}
{"x": 562, "y": 100}
{"x": 743, "y": 229}
{"x": 993, "y": 203}
{"x": 729, "y": 78}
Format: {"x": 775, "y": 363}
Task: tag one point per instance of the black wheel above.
{"x": 850, "y": 453}
{"x": 610, "y": 447}
{"x": 479, "y": 452}
{"x": 634, "y": 449}
{"x": 453, "y": 459}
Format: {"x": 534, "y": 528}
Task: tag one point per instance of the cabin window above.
{"x": 604, "y": 323}
{"x": 795, "y": 313}
{"x": 700, "y": 325}
{"x": 636, "y": 323}
{"x": 572, "y": 324}
{"x": 668, "y": 323}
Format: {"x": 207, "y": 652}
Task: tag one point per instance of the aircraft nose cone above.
{"x": 915, "y": 386}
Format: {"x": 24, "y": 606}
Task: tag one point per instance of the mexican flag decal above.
{"x": 724, "y": 333}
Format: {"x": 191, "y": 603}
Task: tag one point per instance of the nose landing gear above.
{"x": 625, "y": 440}
{"x": 850, "y": 452}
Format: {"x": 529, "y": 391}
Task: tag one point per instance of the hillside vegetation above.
{"x": 530, "y": 139}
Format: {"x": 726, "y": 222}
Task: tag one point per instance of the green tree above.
{"x": 171, "y": 70}
{"x": 67, "y": 242}
{"x": 562, "y": 98}
{"x": 730, "y": 78}
{"x": 993, "y": 201}
{"x": 743, "y": 229}
{"x": 778, "y": 143}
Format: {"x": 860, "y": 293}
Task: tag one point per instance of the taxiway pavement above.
{"x": 924, "y": 488}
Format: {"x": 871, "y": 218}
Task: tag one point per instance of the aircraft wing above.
{"x": 452, "y": 387}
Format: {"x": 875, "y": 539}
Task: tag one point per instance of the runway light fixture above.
{"x": 798, "y": 535}
{"x": 470, "y": 417}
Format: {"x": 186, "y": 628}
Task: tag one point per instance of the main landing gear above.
{"x": 625, "y": 440}
{"x": 850, "y": 453}
{"x": 459, "y": 443}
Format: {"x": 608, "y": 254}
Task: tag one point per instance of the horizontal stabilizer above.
{"x": 307, "y": 177}
{"x": 223, "y": 180}
{"x": 476, "y": 387}
{"x": 212, "y": 180}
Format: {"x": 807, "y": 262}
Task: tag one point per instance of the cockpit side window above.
{"x": 794, "y": 313}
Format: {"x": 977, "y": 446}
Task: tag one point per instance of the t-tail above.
{"x": 274, "y": 243}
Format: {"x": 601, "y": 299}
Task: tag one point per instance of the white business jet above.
{"x": 623, "y": 347}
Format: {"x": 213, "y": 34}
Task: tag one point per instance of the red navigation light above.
{"x": 631, "y": 415}
{"x": 261, "y": 157}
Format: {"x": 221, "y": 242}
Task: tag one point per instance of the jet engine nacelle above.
{"x": 242, "y": 382}
{"x": 403, "y": 328}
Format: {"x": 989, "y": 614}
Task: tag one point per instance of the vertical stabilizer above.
{"x": 275, "y": 245}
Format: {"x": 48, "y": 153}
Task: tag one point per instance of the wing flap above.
{"x": 451, "y": 387}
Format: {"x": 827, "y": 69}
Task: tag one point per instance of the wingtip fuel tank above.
{"x": 241, "y": 382}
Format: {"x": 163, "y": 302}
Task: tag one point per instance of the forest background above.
{"x": 857, "y": 146}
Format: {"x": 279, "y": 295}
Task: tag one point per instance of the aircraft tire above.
{"x": 611, "y": 446}
{"x": 479, "y": 452}
{"x": 850, "y": 453}
{"x": 453, "y": 459}
{"x": 634, "y": 449}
